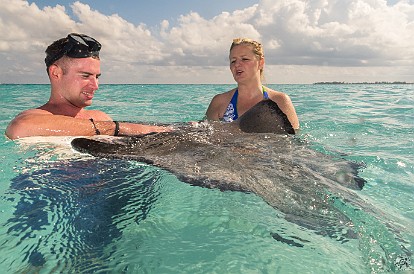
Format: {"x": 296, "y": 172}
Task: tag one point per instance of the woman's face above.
{"x": 244, "y": 64}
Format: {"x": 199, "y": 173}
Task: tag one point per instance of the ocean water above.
{"x": 62, "y": 212}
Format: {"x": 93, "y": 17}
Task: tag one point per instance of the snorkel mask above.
{"x": 76, "y": 46}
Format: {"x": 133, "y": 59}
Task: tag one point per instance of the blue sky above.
{"x": 188, "y": 41}
{"x": 153, "y": 12}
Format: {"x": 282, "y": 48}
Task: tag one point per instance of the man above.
{"x": 73, "y": 66}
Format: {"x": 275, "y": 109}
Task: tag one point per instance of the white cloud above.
{"x": 322, "y": 39}
{"x": 206, "y": 42}
{"x": 122, "y": 41}
{"x": 338, "y": 33}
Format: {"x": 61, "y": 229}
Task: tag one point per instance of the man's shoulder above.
{"x": 33, "y": 111}
{"x": 37, "y": 111}
{"x": 20, "y": 124}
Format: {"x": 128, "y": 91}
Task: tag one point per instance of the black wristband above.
{"x": 116, "y": 133}
{"x": 97, "y": 132}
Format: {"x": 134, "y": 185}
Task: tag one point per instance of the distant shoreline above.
{"x": 364, "y": 83}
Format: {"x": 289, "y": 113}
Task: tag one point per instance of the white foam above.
{"x": 48, "y": 147}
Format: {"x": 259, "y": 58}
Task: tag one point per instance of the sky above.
{"x": 187, "y": 41}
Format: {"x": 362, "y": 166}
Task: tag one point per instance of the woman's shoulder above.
{"x": 224, "y": 97}
{"x": 277, "y": 96}
{"x": 219, "y": 104}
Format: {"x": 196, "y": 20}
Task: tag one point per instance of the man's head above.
{"x": 73, "y": 67}
{"x": 73, "y": 46}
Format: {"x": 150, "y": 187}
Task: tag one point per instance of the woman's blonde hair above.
{"x": 257, "y": 48}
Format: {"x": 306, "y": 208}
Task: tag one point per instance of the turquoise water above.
{"x": 78, "y": 214}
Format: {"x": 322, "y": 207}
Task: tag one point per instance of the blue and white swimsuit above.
{"x": 231, "y": 114}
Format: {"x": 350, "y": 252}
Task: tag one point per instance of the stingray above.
{"x": 260, "y": 154}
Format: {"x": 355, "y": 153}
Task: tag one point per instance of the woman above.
{"x": 246, "y": 64}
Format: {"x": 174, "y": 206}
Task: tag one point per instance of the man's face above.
{"x": 80, "y": 80}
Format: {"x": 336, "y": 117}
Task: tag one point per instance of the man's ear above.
{"x": 55, "y": 71}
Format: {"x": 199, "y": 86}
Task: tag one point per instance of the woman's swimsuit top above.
{"x": 231, "y": 112}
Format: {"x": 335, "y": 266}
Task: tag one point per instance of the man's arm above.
{"x": 26, "y": 124}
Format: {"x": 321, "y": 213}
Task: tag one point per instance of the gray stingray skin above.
{"x": 255, "y": 154}
{"x": 273, "y": 165}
